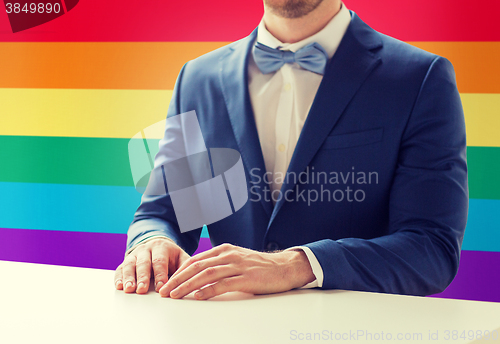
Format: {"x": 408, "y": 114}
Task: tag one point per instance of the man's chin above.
{"x": 292, "y": 8}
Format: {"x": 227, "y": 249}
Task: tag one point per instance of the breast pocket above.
{"x": 359, "y": 138}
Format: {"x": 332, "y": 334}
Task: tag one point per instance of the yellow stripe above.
{"x": 482, "y": 119}
{"x": 83, "y": 113}
{"x": 124, "y": 113}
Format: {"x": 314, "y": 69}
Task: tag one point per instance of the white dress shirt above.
{"x": 281, "y": 103}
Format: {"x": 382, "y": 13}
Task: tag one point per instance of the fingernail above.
{"x": 128, "y": 285}
{"x": 141, "y": 285}
{"x": 118, "y": 283}
{"x": 198, "y": 295}
{"x": 159, "y": 285}
{"x": 174, "y": 293}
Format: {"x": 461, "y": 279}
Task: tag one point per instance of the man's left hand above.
{"x": 228, "y": 268}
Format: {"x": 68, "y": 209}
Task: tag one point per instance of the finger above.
{"x": 223, "y": 286}
{"x": 195, "y": 267}
{"x": 208, "y": 276}
{"x": 119, "y": 278}
{"x": 160, "y": 260}
{"x": 189, "y": 261}
{"x": 143, "y": 271}
{"x": 183, "y": 257}
{"x": 128, "y": 268}
{"x": 213, "y": 252}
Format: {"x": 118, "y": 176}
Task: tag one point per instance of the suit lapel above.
{"x": 344, "y": 75}
{"x": 234, "y": 82}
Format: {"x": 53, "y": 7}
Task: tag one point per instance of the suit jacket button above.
{"x": 272, "y": 246}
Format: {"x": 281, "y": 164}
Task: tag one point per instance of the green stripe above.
{"x": 104, "y": 161}
{"x": 65, "y": 160}
{"x": 484, "y": 172}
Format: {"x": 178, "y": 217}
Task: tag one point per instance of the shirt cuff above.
{"x": 315, "y": 266}
{"x": 143, "y": 241}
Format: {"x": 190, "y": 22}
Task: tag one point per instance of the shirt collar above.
{"x": 329, "y": 37}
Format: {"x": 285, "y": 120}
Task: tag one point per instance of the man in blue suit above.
{"x": 353, "y": 145}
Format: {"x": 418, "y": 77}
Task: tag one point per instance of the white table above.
{"x": 54, "y": 304}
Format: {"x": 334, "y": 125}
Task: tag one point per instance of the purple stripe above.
{"x": 478, "y": 278}
{"x": 87, "y": 250}
{"x": 81, "y": 249}
{"x": 204, "y": 245}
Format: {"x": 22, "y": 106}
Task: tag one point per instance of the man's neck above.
{"x": 292, "y": 30}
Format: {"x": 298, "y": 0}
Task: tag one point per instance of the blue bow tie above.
{"x": 311, "y": 57}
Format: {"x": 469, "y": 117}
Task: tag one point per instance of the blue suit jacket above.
{"x": 383, "y": 106}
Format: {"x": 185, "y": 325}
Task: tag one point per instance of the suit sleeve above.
{"x": 155, "y": 215}
{"x": 427, "y": 208}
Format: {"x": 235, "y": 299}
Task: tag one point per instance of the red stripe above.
{"x": 229, "y": 20}
{"x": 64, "y": 6}
{"x": 432, "y": 20}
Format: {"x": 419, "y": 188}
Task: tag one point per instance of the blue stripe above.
{"x": 109, "y": 209}
{"x": 65, "y": 207}
{"x": 483, "y": 226}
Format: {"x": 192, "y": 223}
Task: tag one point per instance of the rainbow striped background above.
{"x": 74, "y": 90}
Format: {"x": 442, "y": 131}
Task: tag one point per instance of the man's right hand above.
{"x": 159, "y": 255}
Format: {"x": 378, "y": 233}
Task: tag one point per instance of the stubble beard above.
{"x": 292, "y": 8}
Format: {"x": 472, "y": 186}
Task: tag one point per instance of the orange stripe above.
{"x": 152, "y": 65}
{"x": 98, "y": 65}
{"x": 476, "y": 64}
